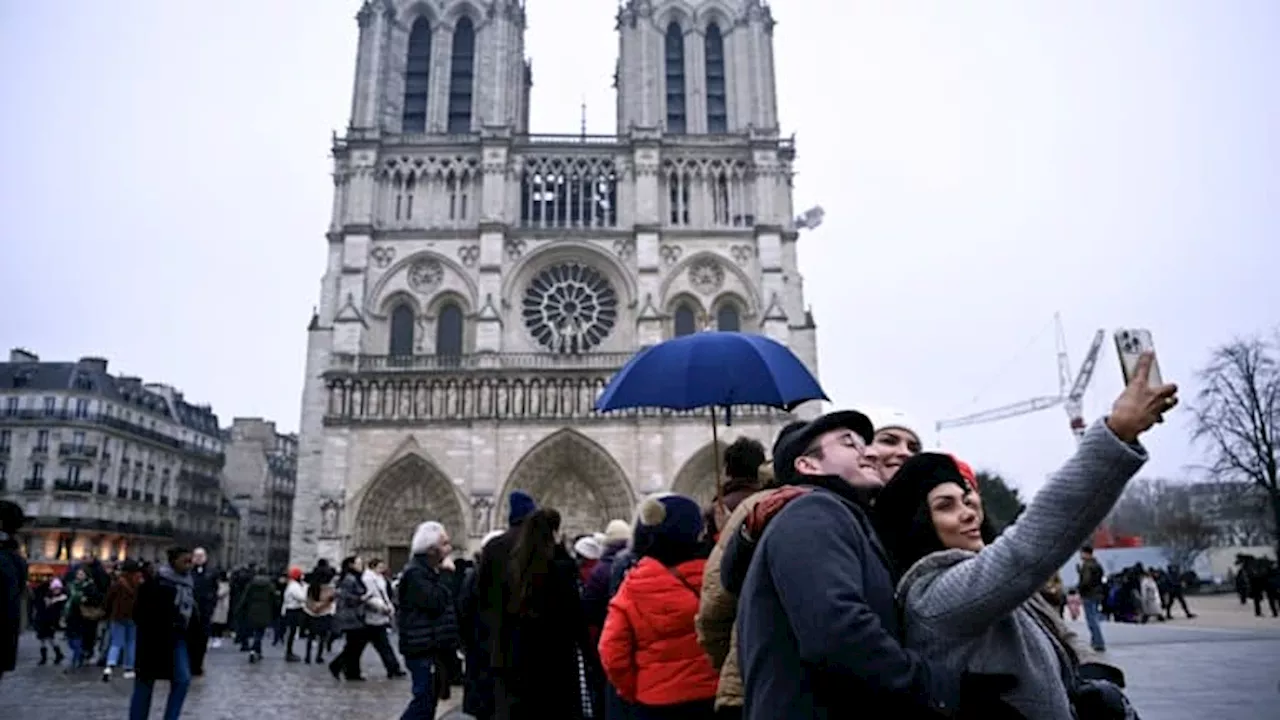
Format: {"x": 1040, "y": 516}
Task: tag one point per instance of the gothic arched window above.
{"x": 461, "y": 76}
{"x": 449, "y": 330}
{"x": 717, "y": 99}
{"x": 675, "y": 78}
{"x": 686, "y": 319}
{"x": 727, "y": 318}
{"x": 401, "y": 331}
{"x": 417, "y": 76}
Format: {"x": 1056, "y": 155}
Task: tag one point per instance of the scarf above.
{"x": 184, "y": 598}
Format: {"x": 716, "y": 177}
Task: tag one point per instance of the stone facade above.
{"x": 260, "y": 477}
{"x": 106, "y": 466}
{"x": 483, "y": 283}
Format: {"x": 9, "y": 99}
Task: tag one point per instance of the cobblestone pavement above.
{"x": 1174, "y": 673}
{"x": 231, "y": 689}
{"x": 1192, "y": 672}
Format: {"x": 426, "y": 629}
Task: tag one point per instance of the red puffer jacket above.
{"x": 649, "y": 648}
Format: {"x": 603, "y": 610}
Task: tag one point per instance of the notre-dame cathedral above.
{"x": 484, "y": 282}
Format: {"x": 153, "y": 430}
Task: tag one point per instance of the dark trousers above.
{"x": 348, "y": 661}
{"x": 197, "y": 648}
{"x": 423, "y": 672}
{"x": 378, "y": 639}
{"x": 292, "y": 620}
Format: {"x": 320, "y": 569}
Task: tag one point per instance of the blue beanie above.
{"x": 670, "y": 520}
{"x": 522, "y": 506}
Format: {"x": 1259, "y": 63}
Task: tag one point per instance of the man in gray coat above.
{"x": 817, "y": 623}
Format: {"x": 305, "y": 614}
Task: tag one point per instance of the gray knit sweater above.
{"x": 970, "y": 609}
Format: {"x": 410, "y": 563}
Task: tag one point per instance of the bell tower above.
{"x": 696, "y": 66}
{"x": 450, "y": 67}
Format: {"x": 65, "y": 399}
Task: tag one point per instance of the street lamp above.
{"x": 810, "y": 219}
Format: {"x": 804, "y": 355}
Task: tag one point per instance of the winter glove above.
{"x": 1102, "y": 700}
{"x": 982, "y": 697}
{"x": 1099, "y": 671}
{"x": 763, "y": 511}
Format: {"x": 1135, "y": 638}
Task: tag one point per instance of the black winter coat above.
{"x": 817, "y": 620}
{"x": 428, "y": 624}
{"x": 159, "y": 626}
{"x": 13, "y": 587}
{"x": 537, "y": 654}
{"x": 205, "y": 579}
{"x": 258, "y": 604}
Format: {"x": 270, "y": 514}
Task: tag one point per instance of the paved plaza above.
{"x": 1222, "y": 668}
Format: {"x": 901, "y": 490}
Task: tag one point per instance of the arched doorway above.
{"x": 697, "y": 478}
{"x": 573, "y": 474}
{"x": 409, "y": 492}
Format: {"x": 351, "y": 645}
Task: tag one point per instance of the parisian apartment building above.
{"x": 259, "y": 478}
{"x": 110, "y": 466}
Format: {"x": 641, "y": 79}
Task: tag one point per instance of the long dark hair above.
{"x": 349, "y": 565}
{"x": 531, "y": 560}
{"x": 918, "y": 538}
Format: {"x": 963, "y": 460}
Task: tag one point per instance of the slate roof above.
{"x": 90, "y": 375}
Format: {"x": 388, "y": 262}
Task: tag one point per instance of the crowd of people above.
{"x": 850, "y": 571}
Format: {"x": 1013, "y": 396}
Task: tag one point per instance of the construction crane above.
{"x": 1070, "y": 391}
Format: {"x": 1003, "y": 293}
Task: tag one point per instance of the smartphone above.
{"x": 1130, "y": 344}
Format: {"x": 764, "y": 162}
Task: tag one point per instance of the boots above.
{"x": 44, "y": 656}
{"x": 57, "y": 655}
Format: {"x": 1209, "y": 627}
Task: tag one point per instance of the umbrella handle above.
{"x": 715, "y": 448}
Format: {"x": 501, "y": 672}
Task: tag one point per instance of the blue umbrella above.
{"x": 711, "y": 369}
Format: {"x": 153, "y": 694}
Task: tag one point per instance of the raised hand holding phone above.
{"x": 1141, "y": 404}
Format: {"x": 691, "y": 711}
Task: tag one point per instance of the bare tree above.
{"x": 1237, "y": 415}
{"x": 1162, "y": 514}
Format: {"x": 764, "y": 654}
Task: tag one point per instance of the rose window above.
{"x": 570, "y": 308}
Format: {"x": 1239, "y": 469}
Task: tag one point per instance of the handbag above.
{"x": 92, "y": 613}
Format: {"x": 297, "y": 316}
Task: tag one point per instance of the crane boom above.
{"x": 1074, "y": 402}
{"x": 1085, "y": 375}
{"x": 1000, "y": 413}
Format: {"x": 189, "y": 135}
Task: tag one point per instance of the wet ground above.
{"x": 1222, "y": 666}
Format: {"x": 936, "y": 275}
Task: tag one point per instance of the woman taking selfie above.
{"x": 972, "y": 599}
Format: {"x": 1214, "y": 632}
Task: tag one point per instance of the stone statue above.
{"x": 329, "y": 519}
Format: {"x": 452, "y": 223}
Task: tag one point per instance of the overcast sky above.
{"x": 165, "y": 190}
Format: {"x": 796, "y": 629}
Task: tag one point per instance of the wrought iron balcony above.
{"x": 348, "y": 363}
{"x": 79, "y": 486}
{"x": 74, "y": 451}
{"x": 104, "y": 489}
{"x": 33, "y": 484}
{"x": 200, "y": 480}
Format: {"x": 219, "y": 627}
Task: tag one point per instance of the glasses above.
{"x": 849, "y": 440}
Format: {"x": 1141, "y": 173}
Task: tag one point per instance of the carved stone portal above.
{"x": 409, "y": 492}
{"x": 697, "y": 478}
{"x": 569, "y": 472}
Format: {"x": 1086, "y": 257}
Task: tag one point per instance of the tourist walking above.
{"x": 319, "y": 611}
{"x": 205, "y": 580}
{"x": 380, "y": 612}
{"x": 427, "y": 622}
{"x": 348, "y": 619}
{"x": 291, "y": 606}
{"x": 167, "y": 621}
{"x": 257, "y": 612}
{"x": 121, "y": 598}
